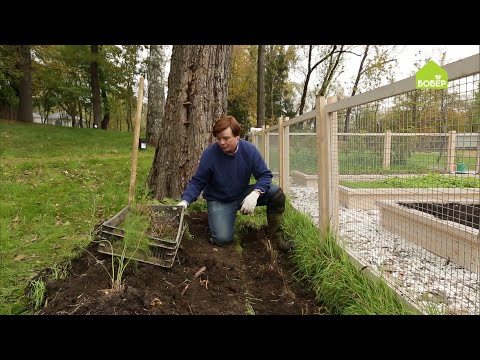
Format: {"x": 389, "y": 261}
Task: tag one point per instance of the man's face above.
{"x": 227, "y": 141}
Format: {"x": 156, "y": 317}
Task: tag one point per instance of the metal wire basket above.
{"x": 164, "y": 237}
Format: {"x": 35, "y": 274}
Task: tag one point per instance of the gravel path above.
{"x": 426, "y": 279}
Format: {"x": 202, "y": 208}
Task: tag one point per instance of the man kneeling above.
{"x": 223, "y": 175}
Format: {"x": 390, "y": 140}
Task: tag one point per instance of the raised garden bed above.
{"x": 450, "y": 237}
{"x": 368, "y": 198}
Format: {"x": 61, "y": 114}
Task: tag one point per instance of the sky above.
{"x": 453, "y": 53}
{"x": 409, "y": 54}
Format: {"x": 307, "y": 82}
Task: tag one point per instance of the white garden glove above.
{"x": 183, "y": 203}
{"x": 249, "y": 203}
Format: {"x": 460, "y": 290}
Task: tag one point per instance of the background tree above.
{"x": 376, "y": 63}
{"x": 72, "y": 62}
{"x": 156, "y": 93}
{"x": 242, "y": 97}
{"x": 197, "y": 96}
{"x": 278, "y": 90}
{"x": 331, "y": 70}
{"x": 325, "y": 54}
{"x": 355, "y": 87}
{"x": 61, "y": 80}
{"x": 130, "y": 69}
{"x": 43, "y": 78}
{"x": 95, "y": 84}
{"x": 24, "y": 85}
{"x": 261, "y": 86}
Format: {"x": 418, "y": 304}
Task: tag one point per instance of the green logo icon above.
{"x": 431, "y": 76}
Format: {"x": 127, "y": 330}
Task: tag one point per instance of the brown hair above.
{"x": 226, "y": 122}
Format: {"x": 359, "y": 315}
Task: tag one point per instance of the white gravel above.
{"x": 424, "y": 278}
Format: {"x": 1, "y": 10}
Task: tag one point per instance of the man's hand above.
{"x": 249, "y": 203}
{"x": 183, "y": 203}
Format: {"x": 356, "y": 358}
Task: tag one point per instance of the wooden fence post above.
{"x": 452, "y": 140}
{"x": 281, "y": 147}
{"x": 387, "y": 149}
{"x": 136, "y": 134}
{"x": 478, "y": 160}
{"x": 323, "y": 168}
{"x": 263, "y": 142}
{"x": 334, "y": 198}
{"x": 286, "y": 158}
{"x": 267, "y": 146}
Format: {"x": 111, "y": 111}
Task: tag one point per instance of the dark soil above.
{"x": 466, "y": 214}
{"x": 233, "y": 282}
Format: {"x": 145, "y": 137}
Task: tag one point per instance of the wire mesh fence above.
{"x": 404, "y": 184}
{"x": 415, "y": 219}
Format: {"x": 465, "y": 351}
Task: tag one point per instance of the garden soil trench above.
{"x": 232, "y": 282}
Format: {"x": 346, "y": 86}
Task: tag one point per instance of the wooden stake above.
{"x": 136, "y": 134}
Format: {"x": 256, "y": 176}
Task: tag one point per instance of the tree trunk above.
{"x": 80, "y": 113}
{"x": 156, "y": 93}
{"x": 261, "y": 86}
{"x": 24, "y": 65}
{"x": 197, "y": 96}
{"x": 355, "y": 88}
{"x": 332, "y": 68}
{"x": 95, "y": 83}
{"x": 106, "y": 107}
{"x": 307, "y": 80}
{"x": 128, "y": 119}
{"x": 310, "y": 69}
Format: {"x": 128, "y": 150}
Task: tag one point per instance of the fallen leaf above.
{"x": 20, "y": 257}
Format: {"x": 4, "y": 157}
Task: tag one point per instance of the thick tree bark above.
{"x": 261, "y": 86}
{"x": 156, "y": 93}
{"x": 95, "y": 83}
{"x": 197, "y": 96}
{"x": 24, "y": 65}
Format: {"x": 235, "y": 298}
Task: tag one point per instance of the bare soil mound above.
{"x": 205, "y": 279}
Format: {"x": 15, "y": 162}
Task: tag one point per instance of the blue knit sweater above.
{"x": 225, "y": 177}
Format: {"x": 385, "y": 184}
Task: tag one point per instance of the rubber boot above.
{"x": 275, "y": 232}
{"x": 275, "y": 210}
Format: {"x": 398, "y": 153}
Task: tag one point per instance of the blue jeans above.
{"x": 222, "y": 215}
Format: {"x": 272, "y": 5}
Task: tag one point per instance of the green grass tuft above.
{"x": 337, "y": 283}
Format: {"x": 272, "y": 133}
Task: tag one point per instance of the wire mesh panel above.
{"x": 303, "y": 160}
{"x": 273, "y": 155}
{"x": 303, "y": 148}
{"x": 404, "y": 182}
{"x": 410, "y": 199}
{"x": 260, "y": 143}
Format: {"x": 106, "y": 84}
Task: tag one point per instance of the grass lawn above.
{"x": 57, "y": 184}
{"x": 423, "y": 182}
